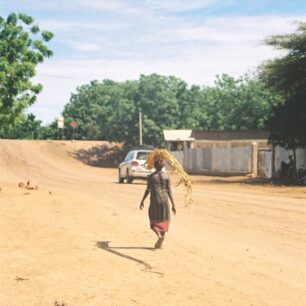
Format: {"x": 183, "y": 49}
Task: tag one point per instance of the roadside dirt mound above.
{"x": 105, "y": 155}
{"x": 23, "y": 160}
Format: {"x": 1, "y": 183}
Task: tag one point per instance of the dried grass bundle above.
{"x": 162, "y": 154}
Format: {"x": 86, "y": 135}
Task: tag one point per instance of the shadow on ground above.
{"x": 101, "y": 156}
{"x": 113, "y": 250}
{"x": 246, "y": 181}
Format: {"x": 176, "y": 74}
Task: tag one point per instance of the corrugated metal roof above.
{"x": 178, "y": 135}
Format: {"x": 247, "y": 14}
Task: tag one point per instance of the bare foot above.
{"x": 159, "y": 243}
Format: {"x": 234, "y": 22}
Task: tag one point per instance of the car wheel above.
{"x": 129, "y": 180}
{"x": 120, "y": 179}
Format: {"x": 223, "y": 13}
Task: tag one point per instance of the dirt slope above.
{"x": 81, "y": 239}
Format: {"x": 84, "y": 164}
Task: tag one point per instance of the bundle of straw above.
{"x": 162, "y": 154}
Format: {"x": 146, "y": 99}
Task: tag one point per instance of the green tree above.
{"x": 103, "y": 110}
{"x": 287, "y": 76}
{"x": 158, "y": 99}
{"x": 235, "y": 104}
{"x": 288, "y": 122}
{"x": 21, "y": 49}
{"x": 82, "y": 109}
{"x": 50, "y": 131}
{"x": 109, "y": 110}
{"x": 287, "y": 73}
{"x": 120, "y": 122}
{"x": 28, "y": 127}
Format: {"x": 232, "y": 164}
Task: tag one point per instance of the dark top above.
{"x": 158, "y": 183}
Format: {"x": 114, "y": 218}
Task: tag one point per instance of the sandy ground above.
{"x": 81, "y": 239}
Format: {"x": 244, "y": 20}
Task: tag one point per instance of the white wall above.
{"x": 219, "y": 159}
{"x": 281, "y": 155}
{"x": 235, "y": 159}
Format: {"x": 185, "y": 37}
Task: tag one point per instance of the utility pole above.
{"x": 60, "y": 126}
{"x": 140, "y": 128}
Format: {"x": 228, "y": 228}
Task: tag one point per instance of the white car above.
{"x": 134, "y": 166}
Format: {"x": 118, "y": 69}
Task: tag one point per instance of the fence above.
{"x": 237, "y": 160}
{"x": 282, "y": 155}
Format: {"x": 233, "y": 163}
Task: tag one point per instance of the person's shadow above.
{"x": 147, "y": 267}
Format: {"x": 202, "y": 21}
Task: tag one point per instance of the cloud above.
{"x": 138, "y": 6}
{"x": 240, "y": 29}
{"x": 61, "y": 78}
{"x": 85, "y": 47}
{"x": 121, "y": 7}
{"x": 113, "y": 5}
{"x": 143, "y": 37}
{"x": 178, "y": 5}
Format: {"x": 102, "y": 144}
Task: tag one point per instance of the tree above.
{"x": 288, "y": 122}
{"x": 82, "y": 109}
{"x": 21, "y": 49}
{"x": 157, "y": 98}
{"x": 234, "y": 104}
{"x": 109, "y": 110}
{"x": 117, "y": 117}
{"x": 27, "y": 127}
{"x": 103, "y": 110}
{"x": 287, "y": 76}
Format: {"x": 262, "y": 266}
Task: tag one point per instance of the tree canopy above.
{"x": 286, "y": 75}
{"x": 274, "y": 98}
{"x": 109, "y": 110}
{"x": 21, "y": 49}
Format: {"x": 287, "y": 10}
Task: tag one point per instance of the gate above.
{"x": 265, "y": 163}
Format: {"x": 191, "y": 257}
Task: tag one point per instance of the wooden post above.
{"x": 140, "y": 128}
{"x": 294, "y": 164}
{"x": 254, "y": 159}
{"x": 273, "y": 160}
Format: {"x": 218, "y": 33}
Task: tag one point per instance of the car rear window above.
{"x": 142, "y": 155}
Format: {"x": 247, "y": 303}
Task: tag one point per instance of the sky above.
{"x": 194, "y": 40}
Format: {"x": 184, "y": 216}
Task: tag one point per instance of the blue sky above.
{"x": 121, "y": 39}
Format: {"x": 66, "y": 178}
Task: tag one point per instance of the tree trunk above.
{"x": 294, "y": 164}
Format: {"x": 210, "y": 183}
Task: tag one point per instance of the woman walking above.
{"x": 158, "y": 186}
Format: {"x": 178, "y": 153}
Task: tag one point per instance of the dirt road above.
{"x": 80, "y": 238}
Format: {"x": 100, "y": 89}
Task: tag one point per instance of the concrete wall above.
{"x": 218, "y": 160}
{"x": 236, "y": 159}
{"x": 281, "y": 155}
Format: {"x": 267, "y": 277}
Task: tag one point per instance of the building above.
{"x": 178, "y": 140}
{"x": 206, "y": 139}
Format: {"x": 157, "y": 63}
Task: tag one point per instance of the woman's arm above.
{"x": 170, "y": 195}
{"x": 146, "y": 193}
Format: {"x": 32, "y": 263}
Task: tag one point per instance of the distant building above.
{"x": 230, "y": 138}
{"x": 178, "y": 140}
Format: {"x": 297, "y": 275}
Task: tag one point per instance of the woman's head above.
{"x": 159, "y": 164}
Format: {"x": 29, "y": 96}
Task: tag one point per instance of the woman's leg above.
{"x": 160, "y": 240}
